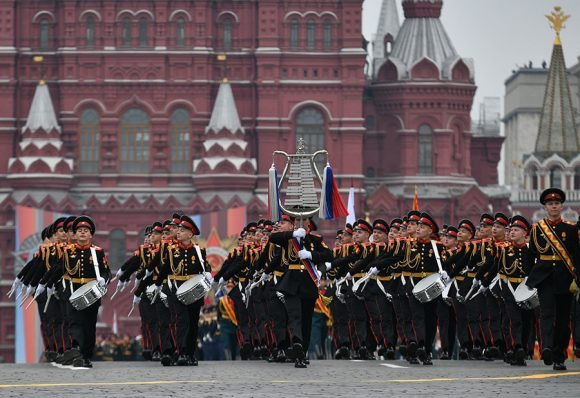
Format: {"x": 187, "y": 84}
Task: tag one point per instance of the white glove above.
{"x": 123, "y": 285}
{"x": 49, "y": 291}
{"x": 30, "y": 290}
{"x": 15, "y": 286}
{"x": 101, "y": 281}
{"x": 208, "y": 277}
{"x": 148, "y": 273}
{"x": 305, "y": 254}
{"x": 136, "y": 284}
{"x": 119, "y": 273}
{"x": 39, "y": 290}
{"x": 444, "y": 277}
{"x": 281, "y": 297}
{"x": 348, "y": 276}
{"x": 136, "y": 300}
{"x": 319, "y": 274}
{"x": 373, "y": 271}
{"x": 299, "y": 233}
{"x": 222, "y": 281}
{"x": 264, "y": 277}
{"x": 476, "y": 283}
{"x": 483, "y": 289}
{"x": 158, "y": 289}
{"x": 328, "y": 266}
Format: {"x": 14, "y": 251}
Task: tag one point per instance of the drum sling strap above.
{"x": 557, "y": 246}
{"x": 95, "y": 263}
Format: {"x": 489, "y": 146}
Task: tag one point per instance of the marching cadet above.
{"x": 421, "y": 262}
{"x": 554, "y": 243}
{"x": 355, "y": 304}
{"x": 338, "y": 308}
{"x": 445, "y": 313}
{"x": 514, "y": 262}
{"x": 80, "y": 264}
{"x": 185, "y": 260}
{"x": 298, "y": 287}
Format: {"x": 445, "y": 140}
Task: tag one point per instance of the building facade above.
{"x": 144, "y": 107}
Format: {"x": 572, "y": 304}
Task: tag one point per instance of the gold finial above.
{"x": 557, "y": 19}
{"x": 222, "y": 57}
{"x": 38, "y": 58}
{"x": 225, "y": 80}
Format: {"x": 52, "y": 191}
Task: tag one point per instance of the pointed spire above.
{"x": 389, "y": 24}
{"x": 225, "y": 113}
{"x": 41, "y": 115}
{"x": 557, "y": 132}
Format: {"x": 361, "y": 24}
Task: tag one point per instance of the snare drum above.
{"x": 526, "y": 298}
{"x": 87, "y": 295}
{"x": 150, "y": 293}
{"x": 429, "y": 288}
{"x": 193, "y": 289}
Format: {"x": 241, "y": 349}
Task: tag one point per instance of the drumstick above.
{"x": 131, "y": 311}
{"x": 155, "y": 296}
{"x": 29, "y": 304}
{"x": 46, "y": 305}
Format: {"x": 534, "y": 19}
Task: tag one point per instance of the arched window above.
{"x": 126, "y": 34}
{"x": 89, "y": 131}
{"x": 179, "y": 132}
{"x": 90, "y": 32}
{"x": 143, "y": 35}
{"x": 388, "y": 45}
{"x": 135, "y": 129}
{"x": 327, "y": 35}
{"x": 44, "y": 34}
{"x": 577, "y": 178}
{"x": 117, "y": 248}
{"x": 556, "y": 178}
{"x": 294, "y": 33}
{"x": 180, "y": 32}
{"x": 425, "y": 150}
{"x": 534, "y": 178}
{"x": 228, "y": 36}
{"x": 310, "y": 34}
{"x": 310, "y": 126}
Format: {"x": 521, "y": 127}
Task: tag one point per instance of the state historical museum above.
{"x": 138, "y": 108}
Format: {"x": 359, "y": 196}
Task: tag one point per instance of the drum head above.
{"x": 523, "y": 292}
{"x": 426, "y": 282}
{"x": 81, "y": 291}
{"x": 189, "y": 284}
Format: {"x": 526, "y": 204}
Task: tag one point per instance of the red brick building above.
{"x": 144, "y": 120}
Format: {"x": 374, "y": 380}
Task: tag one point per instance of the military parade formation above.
{"x": 495, "y": 287}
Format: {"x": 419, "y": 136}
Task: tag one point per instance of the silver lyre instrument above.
{"x": 301, "y": 200}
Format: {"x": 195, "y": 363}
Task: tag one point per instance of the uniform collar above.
{"x": 81, "y": 247}
{"x": 185, "y": 246}
{"x": 554, "y": 223}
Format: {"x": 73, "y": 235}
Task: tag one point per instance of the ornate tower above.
{"x": 225, "y": 163}
{"x": 386, "y": 35}
{"x": 39, "y": 161}
{"x": 420, "y": 100}
{"x": 555, "y": 161}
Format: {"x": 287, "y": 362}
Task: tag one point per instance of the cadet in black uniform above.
{"x": 554, "y": 243}
{"x": 298, "y": 289}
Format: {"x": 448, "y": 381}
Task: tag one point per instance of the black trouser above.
{"x": 300, "y": 310}
{"x": 242, "y": 315}
{"x": 278, "y": 317}
{"x": 520, "y": 320}
{"x": 359, "y": 320}
{"x": 164, "y": 338}
{"x": 186, "y": 325}
{"x": 381, "y": 316}
{"x": 45, "y": 323}
{"x": 54, "y": 327}
{"x": 461, "y": 323}
{"x": 403, "y": 311}
{"x": 447, "y": 326}
{"x": 576, "y": 321}
{"x": 424, "y": 317}
{"x": 83, "y": 328}
{"x": 494, "y": 313}
{"x": 261, "y": 315}
{"x": 555, "y": 320}
{"x": 64, "y": 329}
{"x": 147, "y": 323}
{"x": 340, "y": 322}
{"x": 476, "y": 318}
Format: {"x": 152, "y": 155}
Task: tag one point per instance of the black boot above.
{"x": 547, "y": 356}
{"x": 559, "y": 366}
{"x": 390, "y": 353}
{"x": 182, "y": 360}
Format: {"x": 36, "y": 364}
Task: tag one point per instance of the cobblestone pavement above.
{"x": 321, "y": 379}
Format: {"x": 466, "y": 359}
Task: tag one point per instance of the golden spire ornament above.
{"x": 557, "y": 20}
